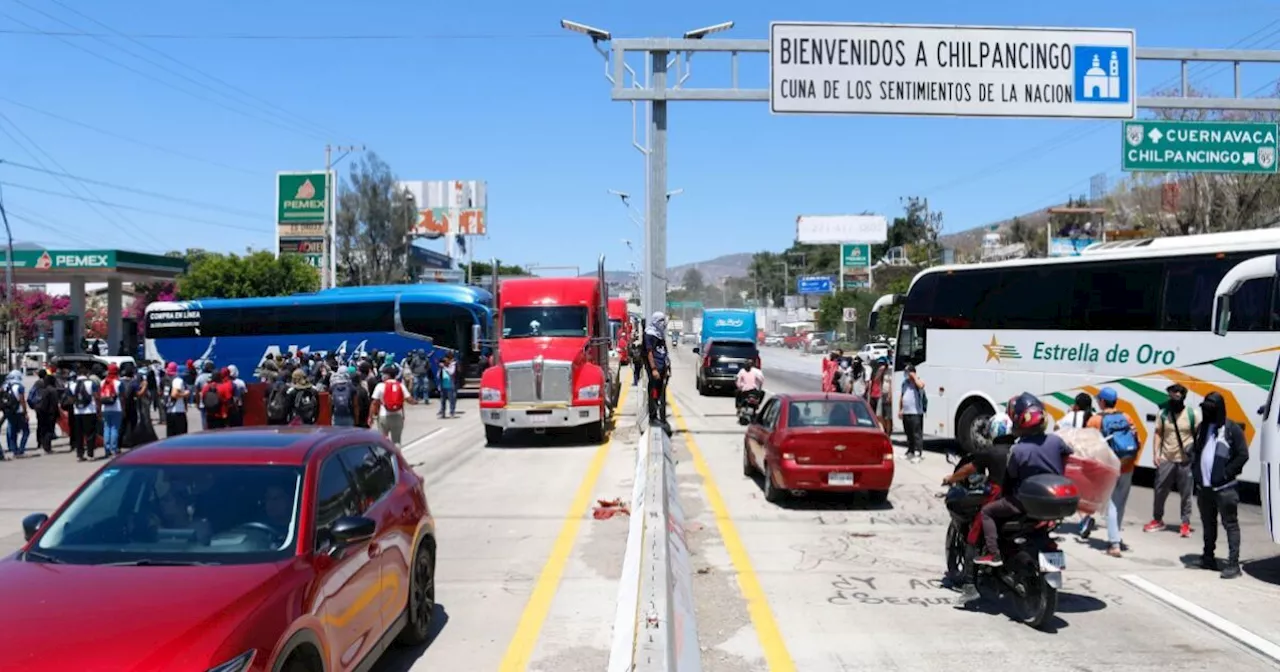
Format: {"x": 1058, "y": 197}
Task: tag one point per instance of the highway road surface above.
{"x": 830, "y": 584}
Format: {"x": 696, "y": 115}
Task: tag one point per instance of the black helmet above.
{"x": 1027, "y": 413}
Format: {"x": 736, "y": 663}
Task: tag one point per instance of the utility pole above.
{"x": 8, "y": 289}
{"x": 330, "y": 221}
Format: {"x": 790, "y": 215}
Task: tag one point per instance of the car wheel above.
{"x": 492, "y": 435}
{"x": 878, "y": 496}
{"x": 772, "y": 494}
{"x": 748, "y": 469}
{"x": 422, "y": 596}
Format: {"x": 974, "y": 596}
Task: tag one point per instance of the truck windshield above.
{"x": 533, "y": 321}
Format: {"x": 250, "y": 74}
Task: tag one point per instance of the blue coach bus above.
{"x": 437, "y": 318}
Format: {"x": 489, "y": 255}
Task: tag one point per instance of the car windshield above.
{"x": 530, "y": 322}
{"x": 179, "y": 514}
{"x": 827, "y": 413}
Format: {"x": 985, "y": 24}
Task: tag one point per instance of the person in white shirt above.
{"x": 1078, "y": 416}
{"x": 175, "y": 402}
{"x": 84, "y": 415}
{"x": 388, "y": 405}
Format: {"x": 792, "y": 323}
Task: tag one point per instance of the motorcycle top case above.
{"x": 1049, "y": 497}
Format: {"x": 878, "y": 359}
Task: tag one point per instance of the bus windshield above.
{"x": 534, "y": 321}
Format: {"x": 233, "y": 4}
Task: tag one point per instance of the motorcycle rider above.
{"x": 991, "y": 462}
{"x": 749, "y": 379}
{"x": 1035, "y": 453}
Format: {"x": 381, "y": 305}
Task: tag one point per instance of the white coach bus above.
{"x": 1135, "y": 315}
{"x": 1259, "y": 269}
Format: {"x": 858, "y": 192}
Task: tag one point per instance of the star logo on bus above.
{"x": 1000, "y": 352}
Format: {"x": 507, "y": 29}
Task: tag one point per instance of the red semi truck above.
{"x": 551, "y": 368}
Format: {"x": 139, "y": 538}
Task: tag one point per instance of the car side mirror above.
{"x": 1262, "y": 410}
{"x": 350, "y": 530}
{"x": 696, "y": 350}
{"x": 32, "y": 524}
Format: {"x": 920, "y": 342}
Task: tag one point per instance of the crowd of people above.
{"x": 117, "y": 406}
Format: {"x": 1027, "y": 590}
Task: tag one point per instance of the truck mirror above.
{"x": 475, "y": 337}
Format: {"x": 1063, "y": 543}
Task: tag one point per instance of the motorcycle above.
{"x": 750, "y": 404}
{"x": 1033, "y": 563}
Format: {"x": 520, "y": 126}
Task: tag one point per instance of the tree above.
{"x": 693, "y": 283}
{"x": 228, "y": 276}
{"x": 145, "y": 294}
{"x": 479, "y": 268}
{"x": 374, "y": 218}
{"x": 33, "y": 311}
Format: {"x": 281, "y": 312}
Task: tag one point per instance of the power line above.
{"x": 141, "y": 239}
{"x": 133, "y": 190}
{"x": 41, "y": 222}
{"x": 157, "y": 213}
{"x": 147, "y": 75}
{"x": 135, "y": 141}
{"x": 268, "y": 37}
{"x": 197, "y": 71}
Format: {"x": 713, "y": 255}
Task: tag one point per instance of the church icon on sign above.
{"x": 1102, "y": 74}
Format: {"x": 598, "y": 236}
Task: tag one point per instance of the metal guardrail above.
{"x": 655, "y": 629}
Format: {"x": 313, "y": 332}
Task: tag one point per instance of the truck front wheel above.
{"x": 595, "y": 431}
{"x": 492, "y": 435}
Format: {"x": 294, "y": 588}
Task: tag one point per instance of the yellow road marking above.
{"x": 776, "y": 655}
{"x": 521, "y": 647}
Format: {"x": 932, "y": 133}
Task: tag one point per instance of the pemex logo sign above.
{"x": 300, "y": 197}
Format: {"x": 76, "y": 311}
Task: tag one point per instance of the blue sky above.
{"x": 498, "y": 92}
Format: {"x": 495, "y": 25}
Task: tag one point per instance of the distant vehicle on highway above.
{"x": 282, "y": 550}
{"x": 719, "y": 363}
{"x": 873, "y": 351}
{"x": 1133, "y": 314}
{"x": 435, "y": 317}
{"x": 818, "y": 442}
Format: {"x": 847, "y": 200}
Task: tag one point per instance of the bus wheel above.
{"x": 971, "y": 428}
{"x": 492, "y": 435}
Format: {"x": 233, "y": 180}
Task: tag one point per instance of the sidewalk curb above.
{"x": 1258, "y": 644}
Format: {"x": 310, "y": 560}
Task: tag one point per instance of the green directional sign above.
{"x": 1199, "y": 146}
{"x": 677, "y": 305}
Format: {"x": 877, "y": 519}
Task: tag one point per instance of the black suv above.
{"x": 721, "y": 360}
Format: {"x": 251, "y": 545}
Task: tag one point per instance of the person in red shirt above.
{"x": 224, "y": 389}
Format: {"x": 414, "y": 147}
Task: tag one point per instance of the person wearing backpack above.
{"x": 1175, "y": 433}
{"x": 202, "y": 381}
{"x": 362, "y": 398}
{"x": 278, "y": 401}
{"x": 13, "y": 401}
{"x": 43, "y": 399}
{"x": 1118, "y": 429}
{"x": 175, "y": 393}
{"x": 420, "y": 366}
{"x": 304, "y": 401}
{"x": 388, "y": 405}
{"x": 342, "y": 399}
{"x": 238, "y": 389}
{"x": 84, "y": 415}
{"x": 216, "y": 398}
{"x": 109, "y": 403}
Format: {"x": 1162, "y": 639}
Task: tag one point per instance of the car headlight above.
{"x": 490, "y": 394}
{"x": 238, "y": 664}
{"x": 589, "y": 392}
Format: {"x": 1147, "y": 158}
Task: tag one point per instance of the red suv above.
{"x": 263, "y": 550}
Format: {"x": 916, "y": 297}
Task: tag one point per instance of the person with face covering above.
{"x": 1218, "y": 455}
{"x": 1175, "y": 432}
{"x": 658, "y": 363}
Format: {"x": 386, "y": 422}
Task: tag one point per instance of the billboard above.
{"x": 966, "y": 71}
{"x": 300, "y": 196}
{"x": 814, "y": 284}
{"x": 836, "y": 229}
{"x": 1068, "y": 247}
{"x": 458, "y": 207}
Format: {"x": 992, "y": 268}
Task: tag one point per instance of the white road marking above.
{"x": 1259, "y": 644}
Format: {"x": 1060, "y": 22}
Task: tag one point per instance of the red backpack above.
{"x": 393, "y": 396}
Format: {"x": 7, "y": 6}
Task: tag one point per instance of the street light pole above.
{"x": 330, "y": 222}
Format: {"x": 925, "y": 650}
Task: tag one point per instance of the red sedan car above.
{"x": 828, "y": 442}
{"x": 243, "y": 550}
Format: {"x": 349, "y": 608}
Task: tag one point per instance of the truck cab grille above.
{"x": 539, "y": 381}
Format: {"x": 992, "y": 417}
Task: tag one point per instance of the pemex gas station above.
{"x": 80, "y": 267}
